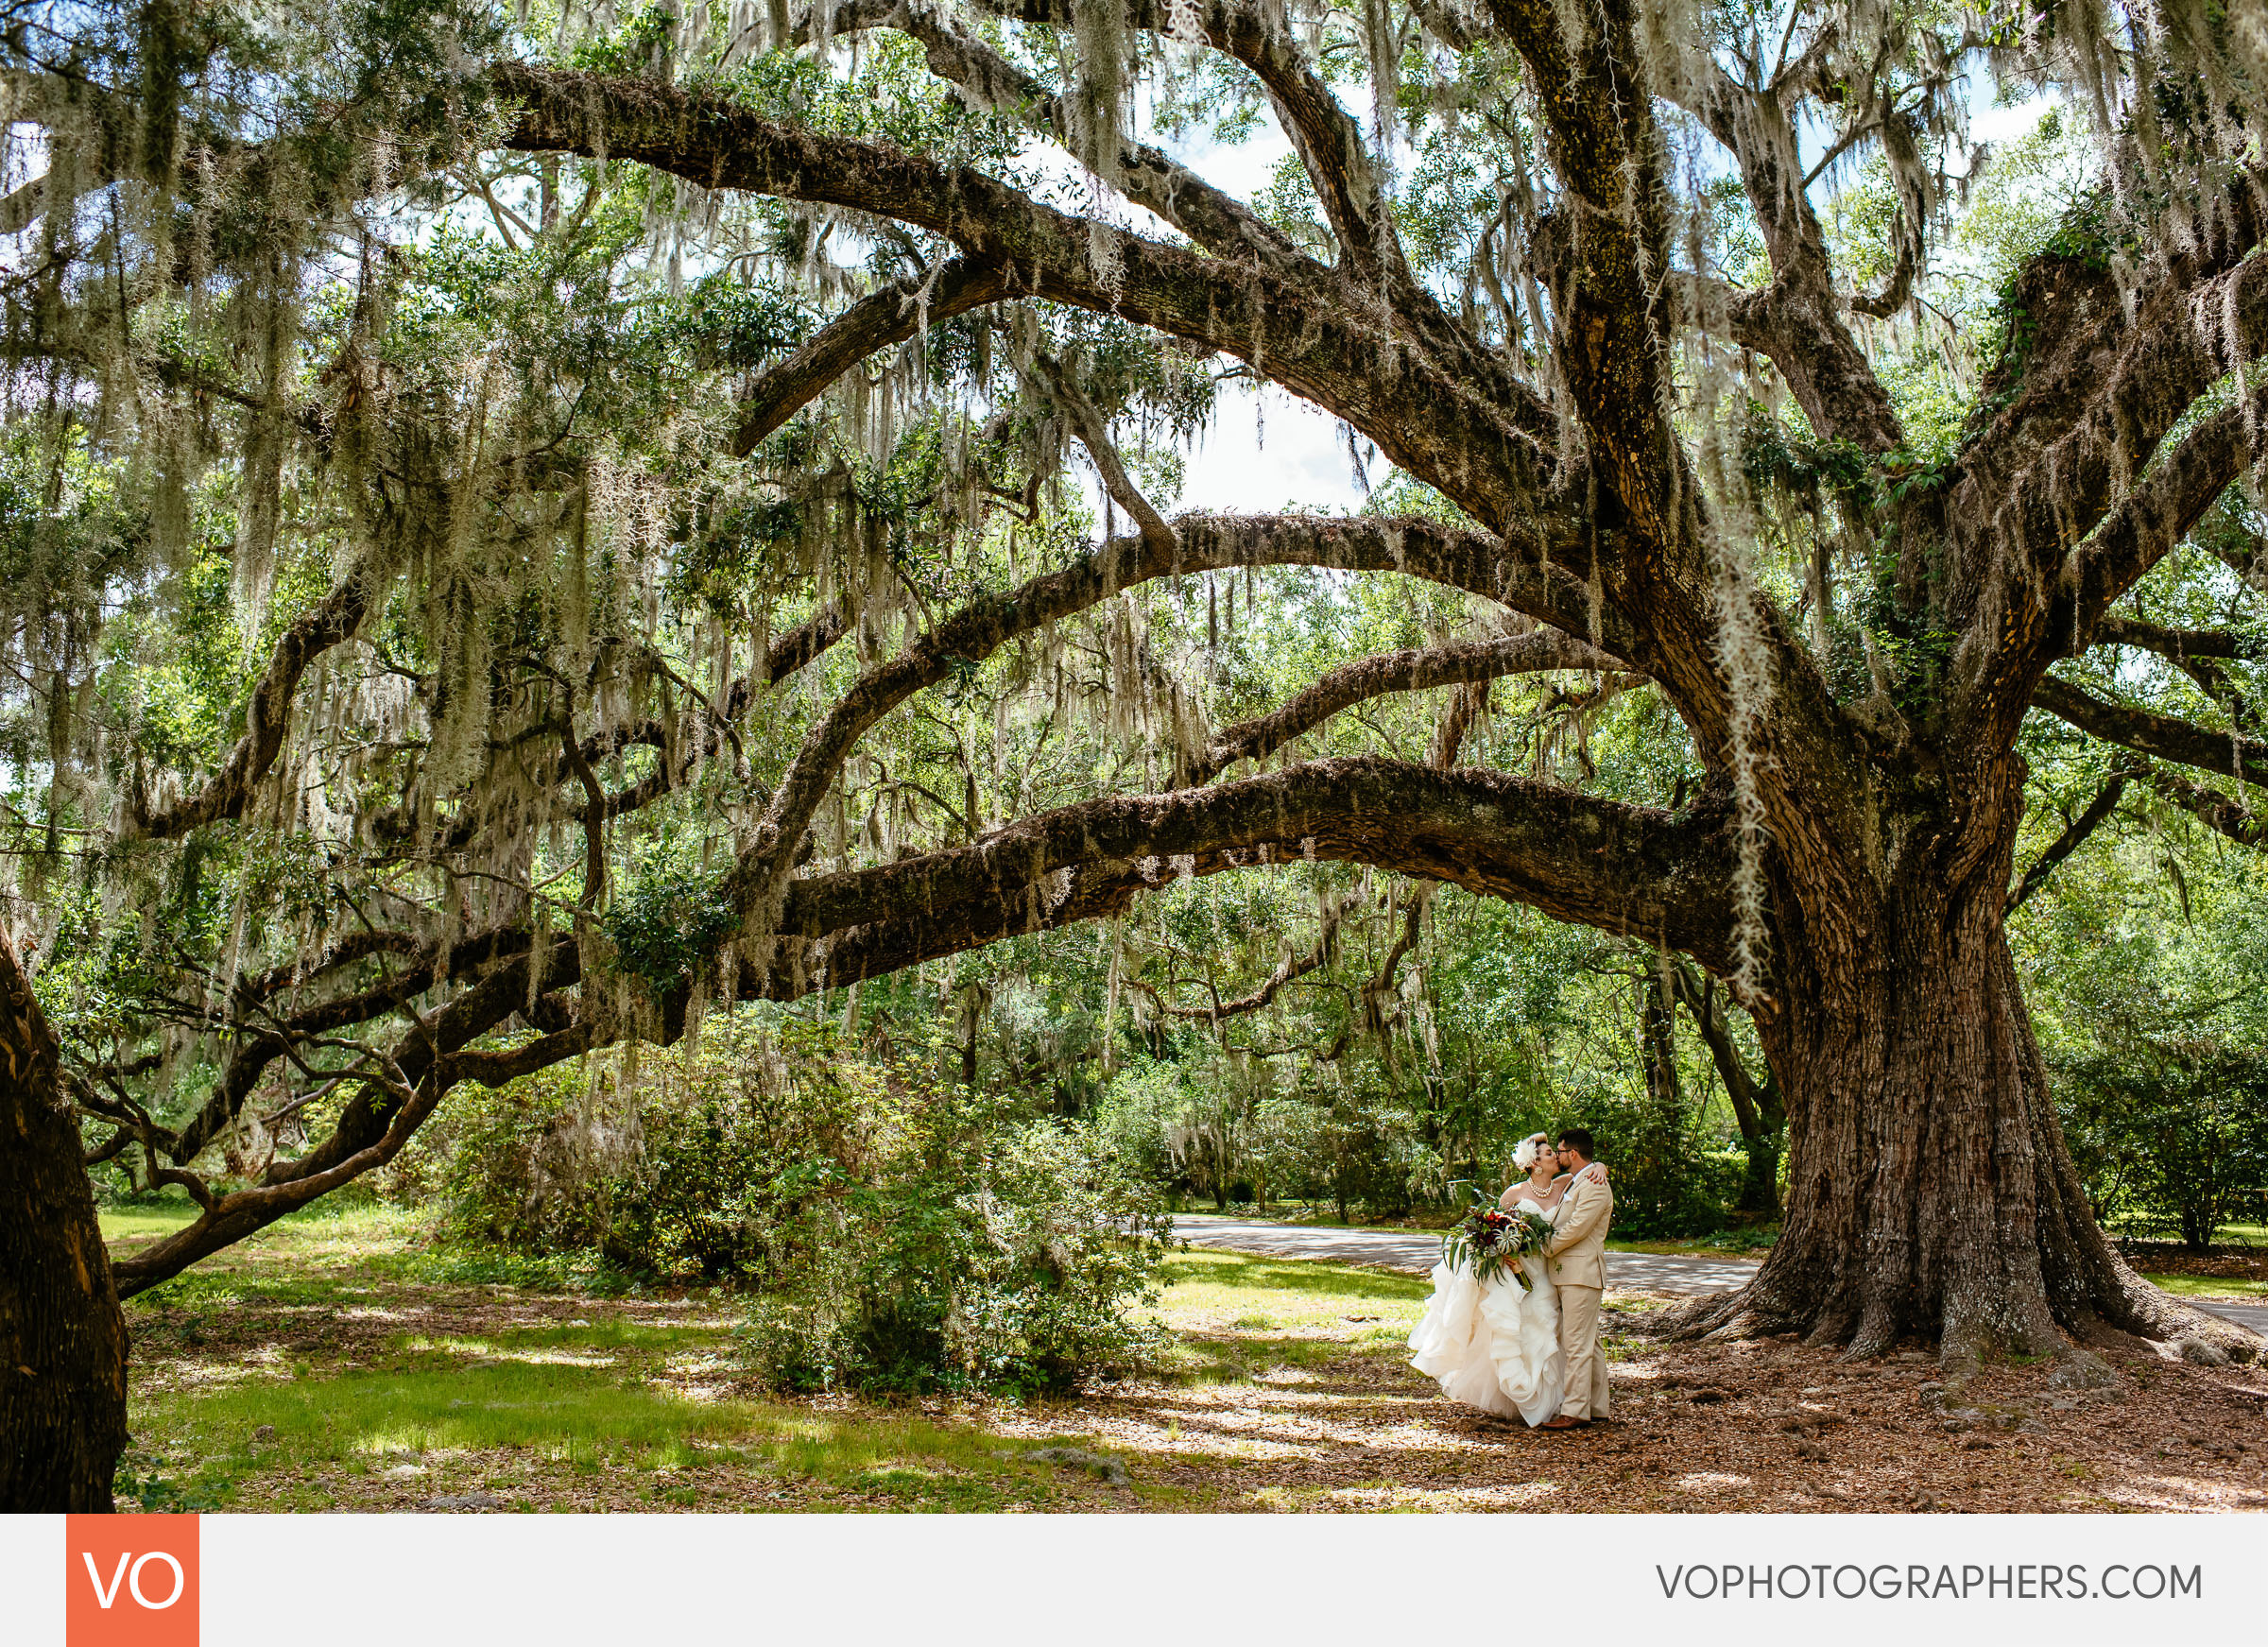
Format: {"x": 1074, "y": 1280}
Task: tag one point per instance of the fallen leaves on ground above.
{"x": 1309, "y": 1406}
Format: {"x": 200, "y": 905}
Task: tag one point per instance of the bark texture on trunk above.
{"x": 1930, "y": 1195}
{"x": 63, "y": 1335}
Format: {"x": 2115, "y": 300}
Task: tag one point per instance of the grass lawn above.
{"x": 339, "y": 1361}
{"x": 2210, "y": 1286}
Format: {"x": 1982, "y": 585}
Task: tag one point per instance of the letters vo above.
{"x": 130, "y": 1581}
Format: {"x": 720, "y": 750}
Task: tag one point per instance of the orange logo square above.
{"x": 130, "y": 1581}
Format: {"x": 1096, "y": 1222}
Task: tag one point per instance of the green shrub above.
{"x": 2170, "y": 1134}
{"x": 1721, "y": 1174}
{"x": 1010, "y": 1263}
{"x": 899, "y": 1233}
{"x": 1666, "y": 1184}
{"x": 665, "y": 929}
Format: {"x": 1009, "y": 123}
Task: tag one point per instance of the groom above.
{"x": 1577, "y": 1254}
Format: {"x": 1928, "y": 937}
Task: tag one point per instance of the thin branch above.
{"x": 1289, "y": 969}
{"x": 1756, "y": 1105}
{"x": 2074, "y": 835}
{"x": 1094, "y": 435}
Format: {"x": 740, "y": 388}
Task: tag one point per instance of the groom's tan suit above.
{"x": 1577, "y": 1256}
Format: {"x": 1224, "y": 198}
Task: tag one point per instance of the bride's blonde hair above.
{"x": 1524, "y": 1156}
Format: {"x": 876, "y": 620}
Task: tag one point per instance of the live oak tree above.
{"x": 520, "y": 527}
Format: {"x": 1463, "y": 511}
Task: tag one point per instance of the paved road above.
{"x": 1414, "y": 1250}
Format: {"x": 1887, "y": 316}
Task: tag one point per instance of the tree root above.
{"x": 1724, "y": 1319}
{"x": 2167, "y": 1325}
{"x": 2206, "y": 1338}
{"x": 2175, "y": 1327}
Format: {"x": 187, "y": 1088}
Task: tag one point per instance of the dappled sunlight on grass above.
{"x": 343, "y": 1358}
{"x": 1314, "y": 1315}
{"x": 145, "y": 1223}
{"x": 527, "y": 1354}
{"x": 326, "y": 1254}
{"x": 2210, "y": 1286}
{"x": 1223, "y": 1280}
{"x": 481, "y": 1404}
{"x": 344, "y": 1363}
{"x": 324, "y": 1229}
{"x": 579, "y": 1414}
{"x": 495, "y": 1391}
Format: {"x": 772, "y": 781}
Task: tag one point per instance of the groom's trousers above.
{"x": 1587, "y": 1393}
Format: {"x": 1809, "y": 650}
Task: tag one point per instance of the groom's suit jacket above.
{"x": 1577, "y": 1249}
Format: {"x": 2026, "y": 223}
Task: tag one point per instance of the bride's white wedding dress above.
{"x": 1495, "y": 1347}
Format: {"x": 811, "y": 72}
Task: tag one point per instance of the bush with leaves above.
{"x": 899, "y": 1233}
{"x": 2171, "y": 1136}
{"x": 1667, "y": 1183}
{"x": 1005, "y": 1256}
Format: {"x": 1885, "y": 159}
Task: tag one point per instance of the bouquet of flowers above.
{"x": 1490, "y": 1242}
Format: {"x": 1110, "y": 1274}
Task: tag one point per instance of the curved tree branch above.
{"x": 392, "y": 1103}
{"x": 1622, "y": 868}
{"x": 1453, "y": 418}
{"x": 2146, "y": 732}
{"x": 2176, "y": 645}
{"x": 1147, "y": 176}
{"x": 1599, "y": 863}
{"x": 889, "y": 316}
{"x": 267, "y": 715}
{"x": 1459, "y": 558}
{"x": 1417, "y": 670}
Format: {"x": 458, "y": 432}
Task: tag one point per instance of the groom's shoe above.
{"x": 1563, "y": 1422}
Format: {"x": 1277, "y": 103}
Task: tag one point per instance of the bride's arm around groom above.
{"x": 1577, "y": 1249}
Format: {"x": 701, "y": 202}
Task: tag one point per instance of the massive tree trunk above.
{"x": 1930, "y": 1195}
{"x": 62, "y": 1336}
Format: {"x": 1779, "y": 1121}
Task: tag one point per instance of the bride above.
{"x": 1494, "y": 1346}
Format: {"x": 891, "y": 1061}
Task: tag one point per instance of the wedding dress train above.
{"x": 1494, "y": 1346}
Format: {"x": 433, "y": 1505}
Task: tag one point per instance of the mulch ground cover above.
{"x": 1755, "y": 1427}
